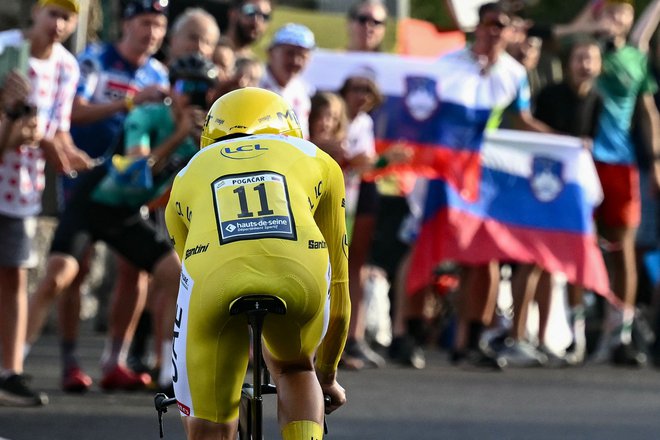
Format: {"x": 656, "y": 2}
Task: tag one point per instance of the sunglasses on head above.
{"x": 250, "y": 10}
{"x": 364, "y": 19}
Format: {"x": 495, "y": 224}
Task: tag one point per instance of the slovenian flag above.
{"x": 535, "y": 205}
{"x": 444, "y": 126}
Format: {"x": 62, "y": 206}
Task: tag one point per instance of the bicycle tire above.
{"x": 245, "y": 413}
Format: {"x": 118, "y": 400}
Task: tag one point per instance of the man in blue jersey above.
{"x": 115, "y": 77}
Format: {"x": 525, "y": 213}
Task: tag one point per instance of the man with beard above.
{"x": 248, "y": 21}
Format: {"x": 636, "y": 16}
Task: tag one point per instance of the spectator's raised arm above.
{"x": 646, "y": 25}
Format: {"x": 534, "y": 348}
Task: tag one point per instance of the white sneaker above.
{"x": 523, "y": 355}
{"x": 575, "y": 354}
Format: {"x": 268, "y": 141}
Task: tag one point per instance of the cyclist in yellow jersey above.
{"x": 258, "y": 210}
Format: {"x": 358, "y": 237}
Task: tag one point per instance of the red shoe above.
{"x": 122, "y": 378}
{"x": 76, "y": 381}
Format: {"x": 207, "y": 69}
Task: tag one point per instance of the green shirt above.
{"x": 625, "y": 77}
{"x": 147, "y": 127}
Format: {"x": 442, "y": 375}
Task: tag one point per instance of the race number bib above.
{"x": 253, "y": 205}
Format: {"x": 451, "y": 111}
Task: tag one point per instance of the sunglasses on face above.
{"x": 250, "y": 10}
{"x": 364, "y": 19}
{"x": 360, "y": 89}
{"x": 499, "y": 23}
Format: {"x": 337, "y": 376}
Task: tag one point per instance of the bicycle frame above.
{"x": 250, "y": 424}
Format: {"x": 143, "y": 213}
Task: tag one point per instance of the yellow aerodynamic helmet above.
{"x": 250, "y": 110}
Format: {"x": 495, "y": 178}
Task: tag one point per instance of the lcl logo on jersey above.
{"x": 243, "y": 151}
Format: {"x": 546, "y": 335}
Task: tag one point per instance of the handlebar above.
{"x": 161, "y": 402}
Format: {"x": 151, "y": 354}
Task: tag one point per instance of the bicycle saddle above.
{"x": 254, "y": 303}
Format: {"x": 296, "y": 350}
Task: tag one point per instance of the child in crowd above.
{"x": 248, "y": 72}
{"x": 327, "y": 125}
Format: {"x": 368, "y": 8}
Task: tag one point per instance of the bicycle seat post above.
{"x": 256, "y": 321}
{"x": 256, "y": 307}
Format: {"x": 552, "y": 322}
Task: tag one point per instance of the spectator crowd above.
{"x": 120, "y": 119}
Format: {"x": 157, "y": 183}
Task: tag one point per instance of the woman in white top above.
{"x": 361, "y": 96}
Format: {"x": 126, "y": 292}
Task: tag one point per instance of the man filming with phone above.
{"x": 179, "y": 120}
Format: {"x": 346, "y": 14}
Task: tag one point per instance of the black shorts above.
{"x": 387, "y": 249}
{"x": 122, "y": 228}
{"x": 368, "y": 196}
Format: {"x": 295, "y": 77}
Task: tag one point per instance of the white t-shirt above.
{"x": 360, "y": 136}
{"x": 53, "y": 83}
{"x": 297, "y": 93}
{"x": 359, "y": 140}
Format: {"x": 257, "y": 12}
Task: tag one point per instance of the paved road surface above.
{"x": 440, "y": 402}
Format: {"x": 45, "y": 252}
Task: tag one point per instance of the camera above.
{"x": 198, "y": 99}
{"x": 194, "y": 89}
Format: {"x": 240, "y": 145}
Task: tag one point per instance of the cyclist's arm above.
{"x": 176, "y": 226}
{"x": 331, "y": 219}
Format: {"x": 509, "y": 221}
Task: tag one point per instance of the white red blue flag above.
{"x": 535, "y": 205}
{"x": 427, "y": 106}
{"x": 531, "y": 201}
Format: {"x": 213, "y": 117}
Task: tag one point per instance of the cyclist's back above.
{"x": 258, "y": 214}
{"x": 274, "y": 194}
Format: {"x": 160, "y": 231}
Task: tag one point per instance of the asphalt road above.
{"x": 440, "y": 402}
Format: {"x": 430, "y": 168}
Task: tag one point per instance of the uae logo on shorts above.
{"x": 546, "y": 180}
{"x": 421, "y": 97}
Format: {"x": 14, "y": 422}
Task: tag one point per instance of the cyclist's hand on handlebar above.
{"x": 336, "y": 393}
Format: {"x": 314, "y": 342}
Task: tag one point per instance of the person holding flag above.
{"x": 483, "y": 81}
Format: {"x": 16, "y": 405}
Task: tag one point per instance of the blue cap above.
{"x": 295, "y": 35}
